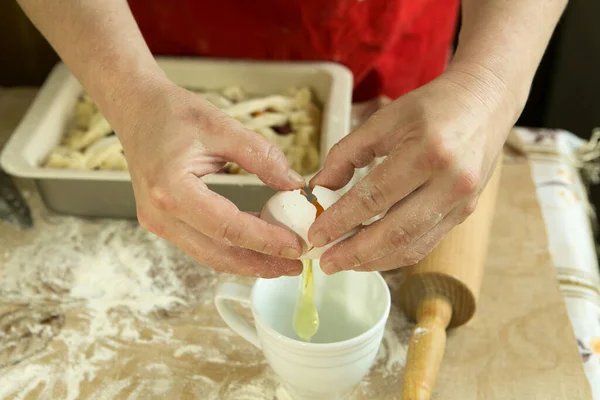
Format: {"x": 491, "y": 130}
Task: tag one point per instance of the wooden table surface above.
{"x": 519, "y": 345}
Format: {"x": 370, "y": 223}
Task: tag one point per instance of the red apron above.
{"x": 391, "y": 46}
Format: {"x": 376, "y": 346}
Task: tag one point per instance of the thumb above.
{"x": 258, "y": 156}
{"x": 357, "y": 150}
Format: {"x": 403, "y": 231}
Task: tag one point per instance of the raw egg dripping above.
{"x": 294, "y": 211}
{"x": 306, "y": 316}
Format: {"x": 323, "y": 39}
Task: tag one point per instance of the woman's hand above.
{"x": 441, "y": 143}
{"x": 172, "y": 138}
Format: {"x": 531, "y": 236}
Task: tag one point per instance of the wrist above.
{"x": 121, "y": 89}
{"x": 494, "y": 89}
{"x": 117, "y": 81}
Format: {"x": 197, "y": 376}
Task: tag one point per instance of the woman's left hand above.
{"x": 441, "y": 143}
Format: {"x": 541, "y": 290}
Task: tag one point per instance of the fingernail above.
{"x": 296, "y": 177}
{"x": 320, "y": 239}
{"x": 293, "y": 272}
{"x": 313, "y": 181}
{"x": 290, "y": 252}
{"x": 330, "y": 268}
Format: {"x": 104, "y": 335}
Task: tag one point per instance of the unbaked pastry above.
{"x": 290, "y": 120}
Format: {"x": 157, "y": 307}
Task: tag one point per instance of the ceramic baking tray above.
{"x": 109, "y": 193}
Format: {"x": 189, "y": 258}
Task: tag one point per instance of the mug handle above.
{"x": 237, "y": 323}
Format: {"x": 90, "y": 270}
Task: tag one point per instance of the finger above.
{"x": 356, "y": 150}
{"x": 223, "y": 258}
{"x": 389, "y": 182}
{"x": 418, "y": 250}
{"x": 403, "y": 224}
{"x": 218, "y": 218}
{"x": 258, "y": 156}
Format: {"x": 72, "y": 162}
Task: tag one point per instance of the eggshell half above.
{"x": 292, "y": 210}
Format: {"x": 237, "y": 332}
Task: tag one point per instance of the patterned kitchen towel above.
{"x": 562, "y": 164}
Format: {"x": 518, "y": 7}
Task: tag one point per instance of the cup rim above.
{"x": 325, "y": 346}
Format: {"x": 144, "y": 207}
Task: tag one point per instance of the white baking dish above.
{"x": 109, "y": 193}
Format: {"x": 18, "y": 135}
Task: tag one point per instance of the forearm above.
{"x": 100, "y": 43}
{"x": 504, "y": 41}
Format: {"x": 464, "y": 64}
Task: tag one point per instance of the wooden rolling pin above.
{"x": 441, "y": 292}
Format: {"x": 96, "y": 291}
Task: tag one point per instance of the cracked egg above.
{"x": 292, "y": 210}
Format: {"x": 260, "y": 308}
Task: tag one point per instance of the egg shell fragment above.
{"x": 290, "y": 210}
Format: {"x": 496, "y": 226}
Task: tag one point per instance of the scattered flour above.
{"x": 418, "y": 331}
{"x": 105, "y": 310}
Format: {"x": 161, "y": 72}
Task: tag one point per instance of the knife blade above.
{"x": 309, "y": 194}
{"x": 13, "y": 207}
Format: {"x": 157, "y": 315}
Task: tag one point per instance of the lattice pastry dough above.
{"x": 291, "y": 120}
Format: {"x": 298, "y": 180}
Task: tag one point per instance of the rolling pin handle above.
{"x": 427, "y": 345}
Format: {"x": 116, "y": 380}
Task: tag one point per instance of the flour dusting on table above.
{"x": 106, "y": 310}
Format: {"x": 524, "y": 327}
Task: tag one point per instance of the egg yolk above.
{"x": 315, "y": 203}
{"x": 319, "y": 207}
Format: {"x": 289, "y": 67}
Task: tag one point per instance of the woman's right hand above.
{"x": 172, "y": 138}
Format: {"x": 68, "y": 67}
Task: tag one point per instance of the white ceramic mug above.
{"x": 353, "y": 310}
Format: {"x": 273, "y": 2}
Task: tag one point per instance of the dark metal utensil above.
{"x": 13, "y": 207}
{"x": 309, "y": 194}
